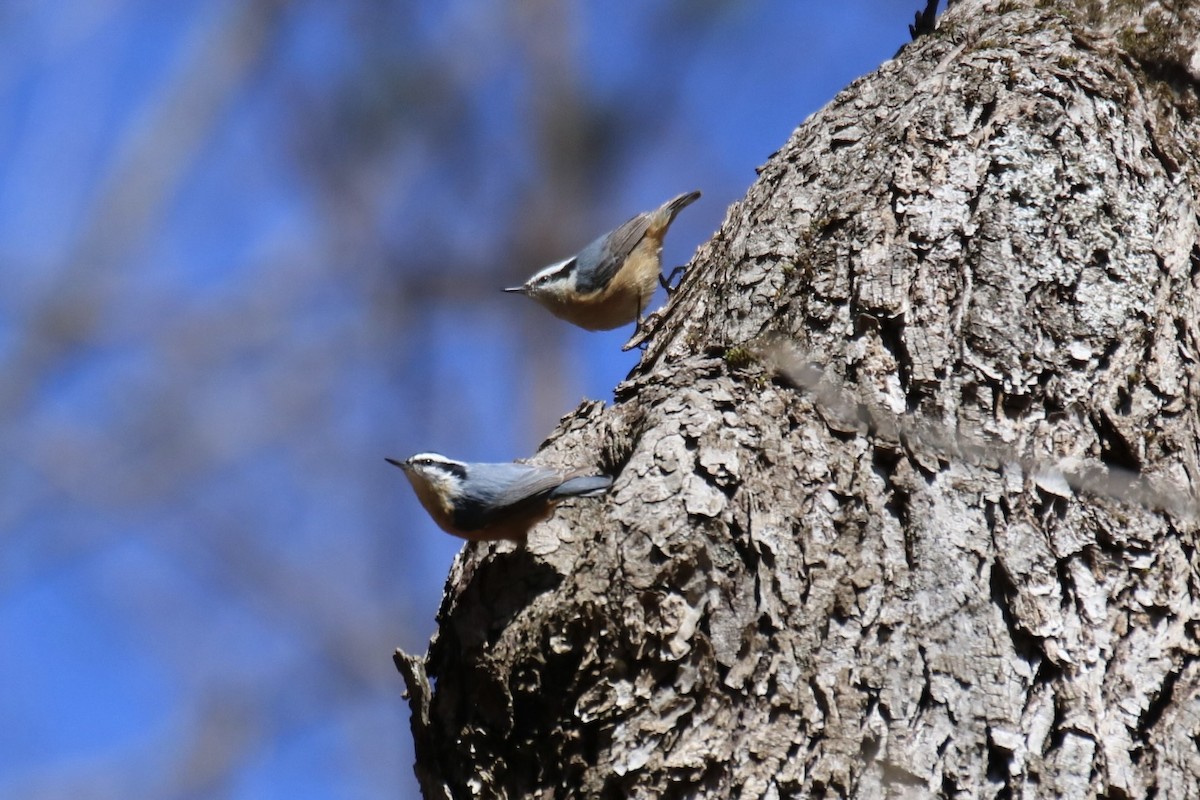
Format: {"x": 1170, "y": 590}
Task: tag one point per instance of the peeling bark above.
{"x": 993, "y": 239}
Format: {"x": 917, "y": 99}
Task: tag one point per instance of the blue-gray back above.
{"x": 493, "y": 490}
{"x": 490, "y": 489}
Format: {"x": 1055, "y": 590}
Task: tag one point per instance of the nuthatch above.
{"x": 486, "y": 502}
{"x": 608, "y": 283}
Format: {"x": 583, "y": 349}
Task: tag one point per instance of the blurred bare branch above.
{"x": 150, "y": 163}
{"x": 844, "y": 412}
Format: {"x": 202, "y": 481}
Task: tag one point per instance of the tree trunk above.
{"x": 942, "y": 539}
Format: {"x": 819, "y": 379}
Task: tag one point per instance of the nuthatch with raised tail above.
{"x": 486, "y": 502}
{"x": 608, "y": 283}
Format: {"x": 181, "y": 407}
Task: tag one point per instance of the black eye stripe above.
{"x": 458, "y": 470}
{"x": 562, "y": 272}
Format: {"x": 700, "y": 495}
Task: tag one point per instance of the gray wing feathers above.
{"x": 501, "y": 485}
{"x": 493, "y": 488}
{"x": 609, "y": 252}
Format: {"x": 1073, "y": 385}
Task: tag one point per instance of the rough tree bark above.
{"x": 993, "y": 239}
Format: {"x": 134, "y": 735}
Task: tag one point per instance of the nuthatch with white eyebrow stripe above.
{"x": 608, "y": 283}
{"x": 487, "y": 502}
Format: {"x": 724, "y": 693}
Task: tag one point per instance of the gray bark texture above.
{"x": 904, "y": 500}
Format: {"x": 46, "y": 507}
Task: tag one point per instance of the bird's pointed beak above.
{"x": 518, "y": 289}
{"x": 401, "y": 464}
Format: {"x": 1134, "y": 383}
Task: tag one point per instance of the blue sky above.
{"x": 249, "y": 249}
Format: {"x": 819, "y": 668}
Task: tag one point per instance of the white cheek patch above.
{"x": 558, "y": 269}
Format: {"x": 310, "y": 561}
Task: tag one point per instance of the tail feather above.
{"x": 584, "y": 486}
{"x": 675, "y": 205}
